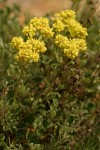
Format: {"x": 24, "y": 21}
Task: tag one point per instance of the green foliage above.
{"x": 9, "y": 22}
{"x": 51, "y": 104}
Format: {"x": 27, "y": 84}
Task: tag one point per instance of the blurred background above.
{"x": 41, "y": 7}
{"x": 85, "y": 8}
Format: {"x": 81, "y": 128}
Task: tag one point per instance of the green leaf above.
{"x": 2, "y": 137}
{"x": 70, "y": 119}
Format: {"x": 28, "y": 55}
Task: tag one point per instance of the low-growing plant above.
{"x": 49, "y": 99}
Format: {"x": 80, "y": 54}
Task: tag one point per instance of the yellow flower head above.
{"x": 39, "y": 22}
{"x": 72, "y": 39}
{"x": 28, "y": 51}
{"x": 17, "y": 42}
{"x": 35, "y": 57}
{"x": 29, "y": 31}
{"x": 58, "y": 25}
{"x": 70, "y": 47}
{"x": 61, "y": 41}
{"x": 75, "y": 29}
{"x": 71, "y": 52}
{"x": 60, "y": 18}
{"x": 37, "y": 46}
{"x": 66, "y": 14}
{"x": 81, "y": 44}
{"x": 42, "y": 25}
{"x": 27, "y": 56}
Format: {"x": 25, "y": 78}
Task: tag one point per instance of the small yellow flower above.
{"x": 72, "y": 49}
{"x": 61, "y": 41}
{"x": 58, "y": 25}
{"x": 17, "y": 42}
{"x": 35, "y": 57}
{"x": 82, "y": 44}
{"x": 29, "y": 31}
{"x": 71, "y": 52}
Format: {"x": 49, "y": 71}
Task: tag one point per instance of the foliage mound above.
{"x": 52, "y": 101}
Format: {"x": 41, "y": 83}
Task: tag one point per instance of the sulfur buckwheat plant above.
{"x": 48, "y": 84}
{"x": 62, "y": 39}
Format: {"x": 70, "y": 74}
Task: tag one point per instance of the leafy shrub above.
{"x": 53, "y": 103}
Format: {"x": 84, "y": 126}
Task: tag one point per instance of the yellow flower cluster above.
{"x": 61, "y": 40}
{"x": 28, "y": 51}
{"x": 71, "y": 47}
{"x": 60, "y": 18}
{"x": 40, "y": 25}
{"x": 37, "y": 46}
{"x": 65, "y": 14}
{"x": 75, "y": 29}
{"x": 17, "y": 42}
{"x": 65, "y": 20}
{"x": 69, "y": 34}
{"x": 74, "y": 47}
{"x": 65, "y": 31}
